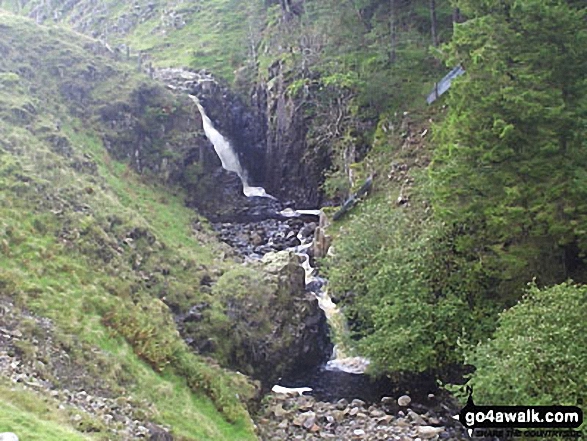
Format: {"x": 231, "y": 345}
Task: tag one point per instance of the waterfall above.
{"x": 227, "y": 155}
{"x": 342, "y": 358}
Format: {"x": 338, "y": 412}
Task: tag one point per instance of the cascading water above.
{"x": 341, "y": 359}
{"x": 227, "y": 155}
{"x": 341, "y": 362}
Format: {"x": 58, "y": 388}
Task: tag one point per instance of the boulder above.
{"x": 274, "y": 326}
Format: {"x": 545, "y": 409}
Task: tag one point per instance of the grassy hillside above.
{"x": 90, "y": 245}
{"x": 212, "y": 34}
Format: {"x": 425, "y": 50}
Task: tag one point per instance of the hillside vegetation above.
{"x": 476, "y": 224}
{"x": 89, "y": 244}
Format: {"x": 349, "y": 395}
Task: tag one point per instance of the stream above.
{"x": 366, "y": 403}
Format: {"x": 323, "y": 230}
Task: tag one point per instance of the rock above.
{"x": 385, "y": 419}
{"x": 404, "y": 400}
{"x": 359, "y": 432}
{"x": 342, "y": 404}
{"x": 354, "y": 411}
{"x": 428, "y": 432}
{"x": 159, "y": 434}
{"x": 256, "y": 239}
{"x": 308, "y": 419}
{"x": 338, "y": 415}
{"x": 8, "y": 436}
{"x": 278, "y": 411}
{"x": 416, "y": 418}
{"x": 376, "y": 413}
{"x": 315, "y": 428}
{"x": 357, "y": 403}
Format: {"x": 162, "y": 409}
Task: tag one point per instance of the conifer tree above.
{"x": 510, "y": 170}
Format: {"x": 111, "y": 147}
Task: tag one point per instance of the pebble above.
{"x": 404, "y": 400}
{"x": 349, "y": 421}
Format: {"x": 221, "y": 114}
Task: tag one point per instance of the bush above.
{"x": 405, "y": 291}
{"x": 538, "y": 354}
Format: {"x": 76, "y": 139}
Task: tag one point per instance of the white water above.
{"x": 227, "y": 155}
{"x": 288, "y": 212}
{"x": 341, "y": 360}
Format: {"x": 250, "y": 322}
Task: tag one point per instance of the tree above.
{"x": 509, "y": 170}
{"x": 433, "y": 23}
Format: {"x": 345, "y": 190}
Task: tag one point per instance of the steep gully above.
{"x": 266, "y": 225}
{"x": 342, "y": 375}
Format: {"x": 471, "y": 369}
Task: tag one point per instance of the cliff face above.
{"x": 267, "y": 127}
{"x": 294, "y": 170}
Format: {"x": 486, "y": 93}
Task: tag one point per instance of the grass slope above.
{"x": 93, "y": 246}
{"x": 211, "y": 34}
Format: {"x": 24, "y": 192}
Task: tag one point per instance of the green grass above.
{"x": 34, "y": 419}
{"x": 66, "y": 211}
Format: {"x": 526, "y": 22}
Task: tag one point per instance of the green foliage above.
{"x": 147, "y": 328}
{"x": 510, "y": 162}
{"x": 538, "y": 354}
{"x": 409, "y": 311}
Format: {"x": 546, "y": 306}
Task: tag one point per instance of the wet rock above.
{"x": 327, "y": 421}
{"x": 376, "y": 413}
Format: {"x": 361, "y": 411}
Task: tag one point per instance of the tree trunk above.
{"x": 393, "y": 31}
{"x": 433, "y": 23}
{"x": 456, "y": 15}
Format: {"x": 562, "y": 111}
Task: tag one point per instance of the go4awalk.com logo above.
{"x": 510, "y": 421}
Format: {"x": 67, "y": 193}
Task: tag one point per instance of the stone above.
{"x": 308, "y": 419}
{"x": 341, "y": 404}
{"x": 359, "y": 432}
{"x": 385, "y": 419}
{"x": 416, "y": 418}
{"x": 428, "y": 432}
{"x": 256, "y": 239}
{"x": 8, "y": 436}
{"x": 278, "y": 411}
{"x": 354, "y": 411}
{"x": 404, "y": 400}
{"x": 357, "y": 403}
{"x": 338, "y": 415}
{"x": 376, "y": 413}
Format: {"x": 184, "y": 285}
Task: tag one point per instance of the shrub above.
{"x": 538, "y": 354}
{"x": 408, "y": 297}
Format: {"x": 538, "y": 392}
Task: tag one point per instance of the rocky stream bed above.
{"x": 325, "y": 403}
